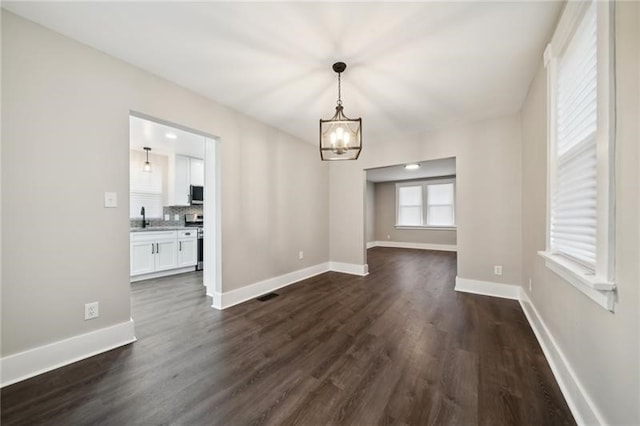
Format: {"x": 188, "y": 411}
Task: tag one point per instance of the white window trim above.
{"x": 424, "y": 184}
{"x": 599, "y": 286}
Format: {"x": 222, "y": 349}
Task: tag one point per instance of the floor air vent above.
{"x": 267, "y": 296}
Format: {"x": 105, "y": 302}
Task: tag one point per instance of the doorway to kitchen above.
{"x": 174, "y": 220}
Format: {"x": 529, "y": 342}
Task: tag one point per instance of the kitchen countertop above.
{"x": 161, "y": 228}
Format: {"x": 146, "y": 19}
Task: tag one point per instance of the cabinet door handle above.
{"x": 153, "y": 248}
{"x": 180, "y": 249}
{"x": 157, "y": 247}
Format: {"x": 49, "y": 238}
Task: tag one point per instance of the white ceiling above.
{"x": 411, "y": 66}
{"x": 428, "y": 169}
{"x": 154, "y": 135}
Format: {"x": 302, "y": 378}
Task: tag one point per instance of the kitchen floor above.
{"x": 398, "y": 346}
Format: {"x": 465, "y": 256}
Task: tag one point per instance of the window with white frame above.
{"x": 580, "y": 142}
{"x": 426, "y": 204}
{"x": 145, "y": 188}
{"x": 410, "y": 205}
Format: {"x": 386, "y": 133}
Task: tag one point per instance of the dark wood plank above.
{"x": 399, "y": 347}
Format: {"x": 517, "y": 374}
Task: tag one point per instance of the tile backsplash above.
{"x": 171, "y": 211}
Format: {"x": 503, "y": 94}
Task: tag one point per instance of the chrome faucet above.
{"x": 145, "y": 222}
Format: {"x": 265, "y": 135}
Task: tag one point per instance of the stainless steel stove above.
{"x": 198, "y": 222}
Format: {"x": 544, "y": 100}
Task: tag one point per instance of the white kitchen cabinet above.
{"x": 179, "y": 181}
{"x": 196, "y": 168}
{"x": 183, "y": 172}
{"x": 166, "y": 254}
{"x": 143, "y": 259}
{"x": 153, "y": 252}
{"x": 187, "y": 248}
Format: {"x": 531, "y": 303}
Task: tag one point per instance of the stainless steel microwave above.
{"x": 196, "y": 194}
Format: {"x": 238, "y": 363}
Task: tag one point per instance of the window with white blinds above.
{"x": 425, "y": 204}
{"x": 574, "y": 201}
{"x": 145, "y": 188}
{"x": 440, "y": 204}
{"x": 152, "y": 204}
{"x": 581, "y": 117}
{"x": 410, "y": 206}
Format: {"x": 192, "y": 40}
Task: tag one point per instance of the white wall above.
{"x": 65, "y": 140}
{"x": 370, "y": 219}
{"x": 488, "y": 185}
{"x": 601, "y": 347}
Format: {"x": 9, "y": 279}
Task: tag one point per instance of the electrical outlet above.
{"x": 176, "y": 217}
{"x": 497, "y": 270}
{"x": 529, "y": 283}
{"x": 91, "y": 310}
{"x": 300, "y": 254}
{"x": 388, "y": 237}
{"x": 166, "y": 217}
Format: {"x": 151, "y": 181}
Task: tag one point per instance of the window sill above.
{"x": 438, "y": 228}
{"x": 598, "y": 289}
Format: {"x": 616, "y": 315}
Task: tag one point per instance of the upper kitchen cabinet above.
{"x": 197, "y": 171}
{"x": 179, "y": 181}
{"x": 184, "y": 171}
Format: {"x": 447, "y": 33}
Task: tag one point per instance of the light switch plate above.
{"x": 110, "y": 199}
{"x": 166, "y": 217}
{"x": 176, "y": 217}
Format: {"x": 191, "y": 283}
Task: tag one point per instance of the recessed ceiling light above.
{"x": 412, "y": 166}
{"x": 170, "y": 135}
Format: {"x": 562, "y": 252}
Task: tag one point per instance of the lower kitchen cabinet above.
{"x": 187, "y": 248}
{"x": 143, "y": 258}
{"x": 166, "y": 254}
{"x": 153, "y": 252}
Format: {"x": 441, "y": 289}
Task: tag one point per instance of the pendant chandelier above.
{"x": 147, "y": 164}
{"x": 340, "y": 137}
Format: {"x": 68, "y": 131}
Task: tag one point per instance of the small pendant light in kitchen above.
{"x": 340, "y": 137}
{"x": 147, "y": 164}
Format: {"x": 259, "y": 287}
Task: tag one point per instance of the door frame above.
{"x": 212, "y": 274}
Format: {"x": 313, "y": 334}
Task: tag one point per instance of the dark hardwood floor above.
{"x": 399, "y": 346}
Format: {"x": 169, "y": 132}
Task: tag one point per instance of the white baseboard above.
{"x": 160, "y": 274}
{"x": 230, "y": 298}
{"x": 582, "y": 407}
{"x": 420, "y": 246}
{"x": 349, "y": 268}
{"x": 217, "y": 300}
{"x": 23, "y": 365}
{"x": 488, "y": 288}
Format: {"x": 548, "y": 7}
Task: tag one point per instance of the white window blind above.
{"x": 574, "y": 202}
{"x": 152, "y": 204}
{"x": 410, "y": 206}
{"x": 145, "y": 188}
{"x": 440, "y": 205}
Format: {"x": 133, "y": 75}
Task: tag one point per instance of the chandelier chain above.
{"x": 339, "y": 91}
